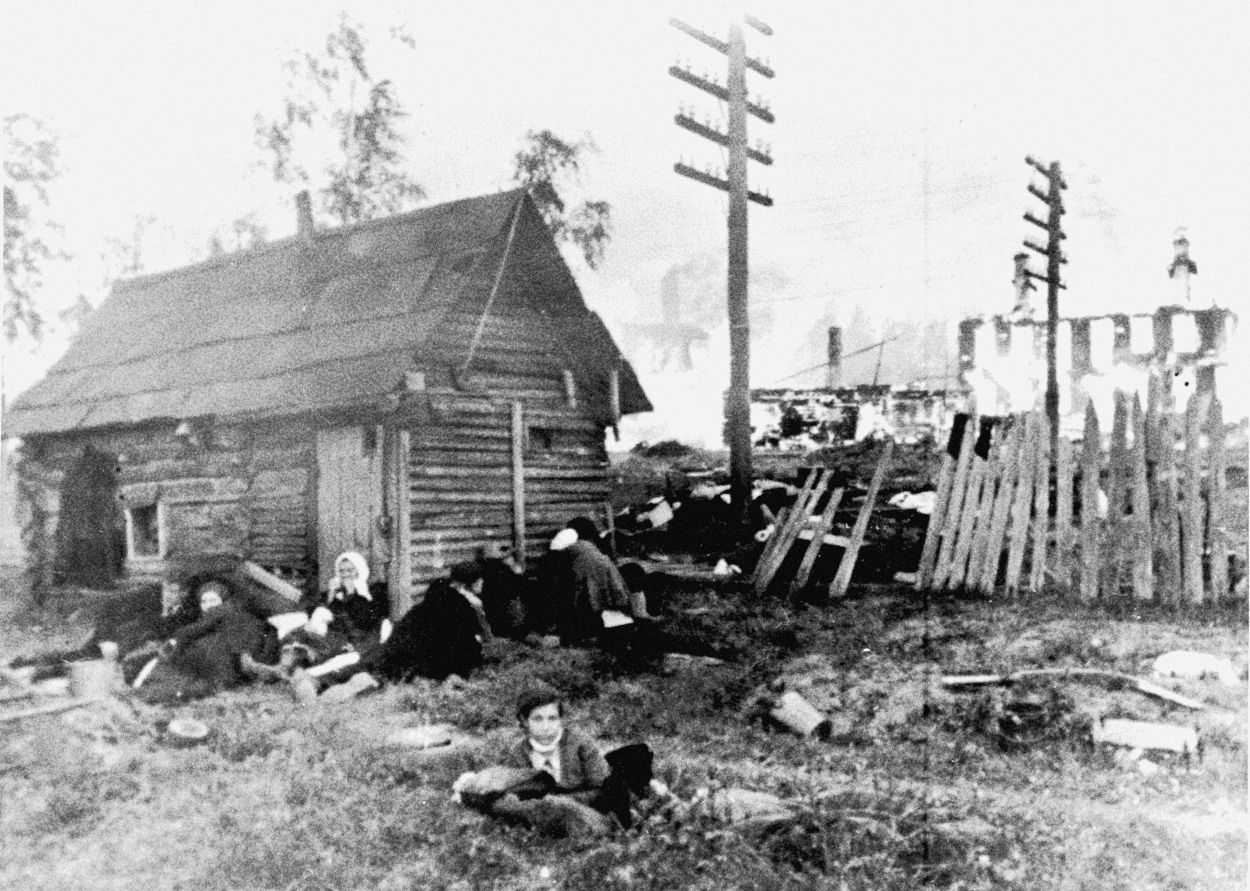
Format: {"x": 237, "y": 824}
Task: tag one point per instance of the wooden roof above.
{"x": 303, "y": 325}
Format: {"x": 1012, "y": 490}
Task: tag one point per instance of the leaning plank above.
{"x": 1146, "y": 735}
{"x": 1142, "y": 571}
{"x": 954, "y": 510}
{"x": 1161, "y": 455}
{"x": 967, "y": 575}
{"x": 790, "y": 533}
{"x": 1041, "y": 502}
{"x": 38, "y": 710}
{"x": 1091, "y": 460}
{"x": 1116, "y": 543}
{"x": 784, "y": 518}
{"x": 1191, "y": 501}
{"x": 846, "y": 566}
{"x": 1217, "y": 535}
{"x": 987, "y": 574}
{"x": 1114, "y": 677}
{"x": 967, "y": 523}
{"x": 1023, "y": 503}
{"x": 1063, "y": 511}
{"x": 946, "y": 475}
{"x": 267, "y": 579}
{"x": 818, "y": 540}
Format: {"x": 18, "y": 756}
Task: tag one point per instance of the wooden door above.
{"x": 350, "y": 499}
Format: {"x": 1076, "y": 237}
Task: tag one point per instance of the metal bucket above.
{"x": 93, "y": 678}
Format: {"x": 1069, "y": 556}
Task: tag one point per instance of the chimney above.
{"x": 1023, "y": 284}
{"x": 1182, "y": 267}
{"x": 304, "y": 227}
{"x": 833, "y": 370}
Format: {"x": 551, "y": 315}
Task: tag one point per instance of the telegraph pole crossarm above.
{"x": 734, "y": 94}
{"x": 1053, "y": 199}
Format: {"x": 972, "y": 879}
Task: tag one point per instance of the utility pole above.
{"x": 1053, "y": 199}
{"x": 738, "y": 400}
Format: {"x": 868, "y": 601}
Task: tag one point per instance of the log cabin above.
{"x": 409, "y": 387}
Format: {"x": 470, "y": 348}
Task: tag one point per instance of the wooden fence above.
{"x": 1142, "y": 517}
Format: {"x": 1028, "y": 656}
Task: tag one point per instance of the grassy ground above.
{"x": 918, "y": 787}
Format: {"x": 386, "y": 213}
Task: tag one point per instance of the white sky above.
{"x": 900, "y": 141}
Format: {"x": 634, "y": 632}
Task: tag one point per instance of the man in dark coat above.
{"x": 588, "y": 586}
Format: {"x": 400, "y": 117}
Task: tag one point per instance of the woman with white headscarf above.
{"x": 356, "y": 607}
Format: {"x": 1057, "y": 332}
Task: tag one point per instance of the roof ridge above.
{"x": 289, "y": 241}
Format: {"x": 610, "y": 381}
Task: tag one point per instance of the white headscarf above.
{"x": 338, "y": 589}
{"x": 563, "y": 539}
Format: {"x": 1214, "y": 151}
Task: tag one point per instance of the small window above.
{"x": 541, "y": 438}
{"x": 143, "y": 532}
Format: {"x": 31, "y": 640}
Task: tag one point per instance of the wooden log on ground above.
{"x": 955, "y": 509}
{"x": 1142, "y": 566}
{"x": 1064, "y": 541}
{"x": 842, "y": 580}
{"x": 1114, "y": 677}
{"x": 818, "y": 540}
{"x": 1217, "y": 535}
{"x": 1146, "y": 735}
{"x": 941, "y": 499}
{"x": 1022, "y": 503}
{"x": 39, "y": 710}
{"x": 1091, "y": 526}
{"x": 1039, "y": 557}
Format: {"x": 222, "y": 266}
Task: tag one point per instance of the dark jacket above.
{"x": 591, "y": 584}
{"x": 209, "y": 647}
{"x": 356, "y": 617}
{"x": 581, "y": 761}
{"x": 440, "y": 636}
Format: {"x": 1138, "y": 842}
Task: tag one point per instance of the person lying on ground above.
{"x": 202, "y": 658}
{"x": 439, "y": 637}
{"x": 554, "y": 759}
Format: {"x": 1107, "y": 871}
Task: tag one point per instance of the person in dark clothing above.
{"x": 504, "y": 591}
{"x": 440, "y": 636}
{"x": 588, "y": 591}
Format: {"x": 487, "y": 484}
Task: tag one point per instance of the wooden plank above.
{"x": 1161, "y": 458}
{"x": 941, "y": 498}
{"x": 1146, "y": 735}
{"x": 401, "y": 518}
{"x": 846, "y": 566}
{"x": 954, "y": 510}
{"x": 974, "y": 552}
{"x": 790, "y": 532}
{"x": 958, "y": 565}
{"x": 818, "y": 540}
{"x": 1191, "y": 500}
{"x": 1038, "y": 557}
{"x": 1117, "y": 547}
{"x": 518, "y": 482}
{"x": 784, "y": 519}
{"x": 1091, "y": 527}
{"x": 1022, "y": 503}
{"x": 1217, "y": 534}
{"x": 986, "y": 576}
{"x": 1063, "y": 512}
{"x": 1142, "y": 571}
